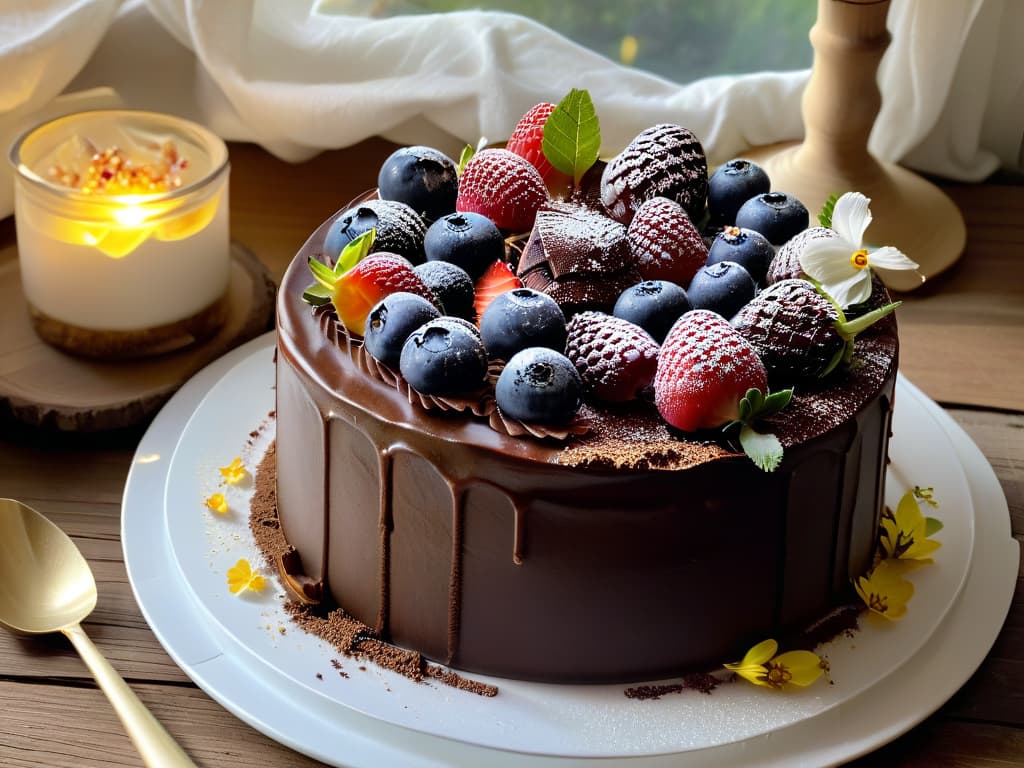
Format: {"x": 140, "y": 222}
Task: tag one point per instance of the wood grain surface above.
{"x": 962, "y": 342}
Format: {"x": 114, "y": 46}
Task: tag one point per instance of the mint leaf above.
{"x": 465, "y": 157}
{"x": 825, "y": 217}
{"x": 354, "y": 252}
{"x": 572, "y": 135}
{"x": 316, "y": 294}
{"x": 764, "y": 450}
{"x": 323, "y": 274}
{"x": 776, "y": 401}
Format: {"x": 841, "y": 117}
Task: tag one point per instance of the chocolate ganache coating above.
{"x": 627, "y": 554}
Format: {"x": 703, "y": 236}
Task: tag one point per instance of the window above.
{"x": 681, "y": 41}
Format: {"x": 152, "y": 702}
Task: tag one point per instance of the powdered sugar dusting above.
{"x": 502, "y": 186}
{"x": 704, "y": 370}
{"x": 665, "y": 243}
{"x": 663, "y": 161}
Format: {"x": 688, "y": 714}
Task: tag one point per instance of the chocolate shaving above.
{"x": 300, "y": 586}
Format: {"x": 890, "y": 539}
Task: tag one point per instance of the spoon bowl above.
{"x": 45, "y": 583}
{"x": 47, "y": 586}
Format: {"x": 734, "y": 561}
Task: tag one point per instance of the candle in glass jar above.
{"x": 122, "y": 226}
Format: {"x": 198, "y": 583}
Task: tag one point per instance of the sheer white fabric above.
{"x": 300, "y": 77}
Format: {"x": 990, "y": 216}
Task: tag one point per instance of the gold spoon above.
{"x": 46, "y": 586}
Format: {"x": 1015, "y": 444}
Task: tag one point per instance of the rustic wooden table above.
{"x": 963, "y": 344}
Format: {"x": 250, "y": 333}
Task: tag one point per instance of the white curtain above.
{"x": 302, "y": 76}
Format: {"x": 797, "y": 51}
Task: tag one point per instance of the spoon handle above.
{"x": 156, "y": 746}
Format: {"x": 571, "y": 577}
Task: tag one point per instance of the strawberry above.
{"x": 527, "y": 142}
{"x": 709, "y": 376}
{"x": 704, "y": 370}
{"x": 498, "y": 279}
{"x": 502, "y": 186}
{"x": 360, "y": 279}
{"x": 665, "y": 243}
{"x": 616, "y": 359}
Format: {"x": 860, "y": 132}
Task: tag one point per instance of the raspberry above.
{"x": 665, "y": 243}
{"x": 792, "y": 328}
{"x": 502, "y": 186}
{"x": 616, "y": 359}
{"x": 704, "y": 370}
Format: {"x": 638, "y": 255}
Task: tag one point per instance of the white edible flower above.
{"x": 842, "y": 265}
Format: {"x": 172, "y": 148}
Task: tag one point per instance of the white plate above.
{"x": 269, "y": 679}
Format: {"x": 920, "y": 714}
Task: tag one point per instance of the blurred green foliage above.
{"x": 681, "y": 40}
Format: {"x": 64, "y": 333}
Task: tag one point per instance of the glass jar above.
{"x": 123, "y": 236}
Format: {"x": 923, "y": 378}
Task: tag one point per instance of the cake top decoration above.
{"x": 842, "y": 265}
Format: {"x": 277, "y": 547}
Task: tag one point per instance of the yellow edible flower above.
{"x": 905, "y": 534}
{"x": 234, "y": 472}
{"x": 885, "y": 591}
{"x": 217, "y": 503}
{"x": 241, "y": 577}
{"x": 761, "y": 666}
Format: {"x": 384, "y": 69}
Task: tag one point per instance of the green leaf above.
{"x": 755, "y": 405}
{"x": 756, "y": 400}
{"x": 323, "y": 274}
{"x": 354, "y": 252}
{"x": 316, "y": 294}
{"x": 745, "y": 410}
{"x": 932, "y": 526}
{"x": 848, "y": 329}
{"x": 764, "y": 450}
{"x": 465, "y": 157}
{"x": 837, "y": 358}
{"x": 776, "y": 401}
{"x": 825, "y": 217}
{"x": 572, "y": 135}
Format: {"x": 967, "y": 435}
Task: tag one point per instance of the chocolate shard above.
{"x": 301, "y": 587}
{"x": 663, "y": 161}
{"x": 579, "y": 241}
{"x": 597, "y": 294}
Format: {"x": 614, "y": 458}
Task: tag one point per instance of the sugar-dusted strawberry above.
{"x": 665, "y": 243}
{"x": 616, "y": 359}
{"x": 527, "y": 141}
{"x": 704, "y": 370}
{"x": 709, "y": 376}
{"x": 502, "y": 186}
{"x": 498, "y": 278}
{"x": 360, "y": 279}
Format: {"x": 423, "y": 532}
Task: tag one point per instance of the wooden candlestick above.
{"x": 839, "y": 108}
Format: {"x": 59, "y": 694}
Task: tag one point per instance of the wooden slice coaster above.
{"x": 42, "y": 386}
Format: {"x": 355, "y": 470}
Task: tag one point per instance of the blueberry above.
{"x": 725, "y": 288}
{"x": 731, "y": 186}
{"x": 468, "y": 240}
{"x": 522, "y": 318}
{"x": 654, "y": 305}
{"x": 399, "y": 229}
{"x": 451, "y": 285}
{"x": 422, "y": 178}
{"x": 391, "y": 321}
{"x": 747, "y": 247}
{"x": 775, "y": 215}
{"x": 444, "y": 357}
{"x": 540, "y": 386}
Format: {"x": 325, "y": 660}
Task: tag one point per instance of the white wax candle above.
{"x": 120, "y": 259}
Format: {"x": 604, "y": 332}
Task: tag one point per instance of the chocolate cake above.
{"x": 624, "y": 551}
